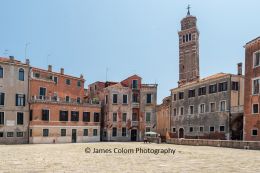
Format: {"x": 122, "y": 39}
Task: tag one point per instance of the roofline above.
{"x": 256, "y": 39}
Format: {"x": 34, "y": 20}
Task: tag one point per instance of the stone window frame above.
{"x": 253, "y": 108}
{"x": 213, "y": 84}
{"x": 253, "y": 79}
{"x": 114, "y": 113}
{"x": 202, "y": 128}
{"x": 213, "y": 130}
{"x": 176, "y": 112}
{"x": 49, "y": 114}
{"x": 21, "y": 70}
{"x": 116, "y": 130}
{"x": 113, "y": 98}
{"x": 124, "y": 134}
{"x": 87, "y": 132}
{"x": 254, "y": 57}
{"x": 46, "y": 91}
{"x": 190, "y": 109}
{"x": 149, "y": 112}
{"x": 8, "y": 132}
{"x": 65, "y": 132}
{"x": 203, "y": 86}
{"x": 17, "y": 116}
{"x": 210, "y": 108}
{"x": 126, "y": 99}
{"x": 93, "y": 134}
{"x": 3, "y": 134}
{"x": 199, "y": 108}
{"x": 253, "y": 130}
{"x": 48, "y": 132}
{"x": 222, "y": 126}
{"x": 191, "y": 129}
{"x": 180, "y": 111}
{"x": 4, "y": 117}
{"x": 225, "y": 109}
{"x": 1, "y": 67}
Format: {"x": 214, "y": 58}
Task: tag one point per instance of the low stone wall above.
{"x": 216, "y": 143}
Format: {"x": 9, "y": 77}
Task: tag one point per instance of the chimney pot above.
{"x": 50, "y": 68}
{"x": 11, "y": 58}
{"x": 62, "y": 70}
{"x": 27, "y": 61}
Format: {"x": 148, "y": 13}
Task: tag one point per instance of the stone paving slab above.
{"x": 60, "y": 158}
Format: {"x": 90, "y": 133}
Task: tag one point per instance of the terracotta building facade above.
{"x": 14, "y": 108}
{"x": 128, "y": 108}
{"x": 59, "y": 112}
{"x": 252, "y": 90}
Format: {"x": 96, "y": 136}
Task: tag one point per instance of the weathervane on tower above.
{"x": 188, "y": 8}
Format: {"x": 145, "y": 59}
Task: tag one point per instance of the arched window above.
{"x": 1, "y": 72}
{"x": 21, "y": 74}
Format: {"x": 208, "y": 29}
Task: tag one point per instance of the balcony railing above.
{"x": 135, "y": 104}
{"x": 237, "y": 109}
{"x": 55, "y": 99}
{"x": 134, "y": 123}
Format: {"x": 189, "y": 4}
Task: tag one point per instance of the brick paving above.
{"x": 73, "y": 158}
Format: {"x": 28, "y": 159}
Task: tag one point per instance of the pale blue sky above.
{"x": 126, "y": 36}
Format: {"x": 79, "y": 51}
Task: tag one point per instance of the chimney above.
{"x": 27, "y": 61}
{"x": 62, "y": 70}
{"x": 81, "y": 76}
{"x": 50, "y": 68}
{"x": 239, "y": 68}
{"x": 11, "y": 58}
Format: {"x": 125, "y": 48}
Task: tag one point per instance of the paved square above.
{"x": 73, "y": 158}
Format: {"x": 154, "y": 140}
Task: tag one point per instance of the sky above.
{"x": 114, "y": 39}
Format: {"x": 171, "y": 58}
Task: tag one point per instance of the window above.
{"x": 19, "y": 134}
{"x": 173, "y": 129}
{"x": 124, "y": 117}
{"x": 235, "y": 86}
{"x": 190, "y": 37}
{"x": 181, "y": 110}
{"x": 85, "y": 132}
{"x": 106, "y": 99}
{"x": 45, "y": 132}
{"x": 36, "y": 75}
{"x": 42, "y": 91}
{"x": 256, "y": 59}
{"x": 114, "y": 98}
{"x": 174, "y": 97}
{"x": 148, "y": 98}
{"x": 1, "y": 134}
{"x": 30, "y": 132}
{"x": 212, "y": 88}
{"x": 21, "y": 74}
{"x": 124, "y": 99}
{"x": 63, "y": 132}
{"x": 147, "y": 129}
{"x": 45, "y": 115}
{"x": 202, "y": 91}
{"x": 67, "y": 98}
{"x": 211, "y": 128}
{"x": 96, "y": 117}
{"x": 255, "y": 109}
{"x": 254, "y": 132}
{"x": 10, "y": 134}
{"x": 134, "y": 117}
{"x": 95, "y": 132}
{"x": 221, "y": 128}
{"x": 86, "y": 116}
{"x": 187, "y": 37}
{"x": 148, "y": 117}
{"x": 79, "y": 83}
{"x": 63, "y": 115}
{"x": 74, "y": 116}
{"x": 20, "y": 99}
{"x": 191, "y": 93}
{"x": 2, "y": 118}
{"x": 78, "y": 100}
{"x": 135, "y": 84}
{"x": 202, "y": 108}
{"x": 1, "y": 72}
{"x": 212, "y": 107}
{"x": 114, "y": 131}
{"x": 123, "y": 131}
{"x": 55, "y": 79}
{"x": 183, "y": 38}
{"x": 174, "y": 112}
{"x": 222, "y": 86}
{"x": 256, "y": 86}
{"x": 223, "y": 106}
{"x": 191, "y": 108}
{"x": 2, "y": 99}
{"x": 191, "y": 129}
{"x": 115, "y": 117}
{"x": 201, "y": 129}
{"x": 181, "y": 95}
{"x": 19, "y": 120}
{"x": 135, "y": 98}
{"x": 68, "y": 82}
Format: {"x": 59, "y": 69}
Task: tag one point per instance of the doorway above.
{"x": 74, "y": 136}
{"x": 133, "y": 135}
{"x": 181, "y": 133}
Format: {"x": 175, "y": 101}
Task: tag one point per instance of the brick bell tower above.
{"x": 188, "y": 50}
